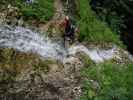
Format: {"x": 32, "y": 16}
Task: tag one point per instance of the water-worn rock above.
{"x": 22, "y": 76}
{"x": 10, "y": 15}
{"x": 72, "y": 65}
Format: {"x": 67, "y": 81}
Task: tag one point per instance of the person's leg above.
{"x": 71, "y": 36}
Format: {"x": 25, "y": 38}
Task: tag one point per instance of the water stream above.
{"x": 26, "y": 40}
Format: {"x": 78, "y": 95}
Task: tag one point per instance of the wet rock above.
{"x": 54, "y": 68}
{"x": 30, "y": 82}
{"x": 72, "y": 64}
{"x": 20, "y": 22}
{"x": 9, "y": 15}
{"x": 2, "y": 18}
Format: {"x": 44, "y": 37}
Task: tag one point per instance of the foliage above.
{"x": 108, "y": 81}
{"x": 114, "y": 12}
{"x": 39, "y": 9}
{"x": 93, "y": 30}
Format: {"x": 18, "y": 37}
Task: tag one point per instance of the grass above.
{"x": 108, "y": 81}
{"x": 40, "y": 10}
{"x": 93, "y": 30}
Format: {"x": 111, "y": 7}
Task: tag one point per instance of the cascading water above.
{"x": 25, "y": 40}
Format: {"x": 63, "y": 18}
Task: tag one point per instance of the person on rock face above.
{"x": 69, "y": 29}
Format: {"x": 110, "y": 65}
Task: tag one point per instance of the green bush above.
{"x": 41, "y": 10}
{"x": 92, "y": 29}
{"x": 110, "y": 82}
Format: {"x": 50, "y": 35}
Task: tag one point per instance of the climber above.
{"x": 69, "y": 29}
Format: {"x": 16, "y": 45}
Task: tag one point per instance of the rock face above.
{"x": 11, "y": 15}
{"x": 28, "y": 77}
{"x": 98, "y": 55}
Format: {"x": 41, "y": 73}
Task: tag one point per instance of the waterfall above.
{"x": 26, "y": 40}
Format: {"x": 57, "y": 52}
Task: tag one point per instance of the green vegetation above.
{"x": 108, "y": 81}
{"x": 41, "y": 9}
{"x": 92, "y": 29}
{"x": 114, "y": 12}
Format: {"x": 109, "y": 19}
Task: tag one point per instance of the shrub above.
{"x": 41, "y": 10}
{"x": 113, "y": 81}
{"x": 92, "y": 29}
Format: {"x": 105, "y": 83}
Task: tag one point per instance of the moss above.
{"x": 15, "y": 61}
{"x": 85, "y": 59}
{"x": 43, "y": 66}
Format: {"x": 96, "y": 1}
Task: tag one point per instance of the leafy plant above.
{"x": 92, "y": 29}
{"x": 114, "y": 82}
{"x": 41, "y": 10}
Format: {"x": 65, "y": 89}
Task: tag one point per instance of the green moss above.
{"x": 14, "y": 61}
{"x": 85, "y": 59}
{"x": 42, "y": 66}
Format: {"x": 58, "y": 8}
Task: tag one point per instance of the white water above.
{"x": 26, "y": 40}
{"x": 96, "y": 55}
